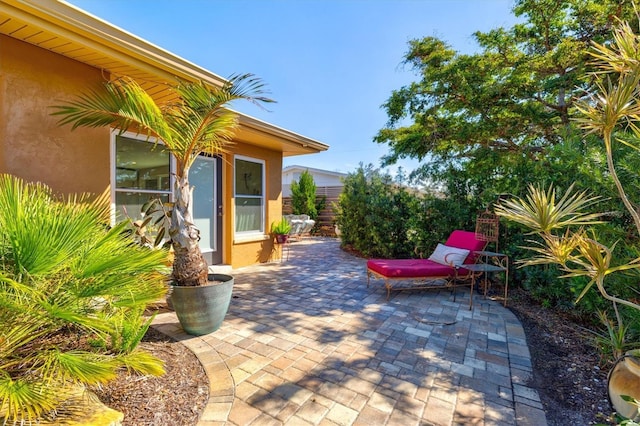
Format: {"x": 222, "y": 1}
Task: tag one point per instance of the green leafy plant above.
{"x": 72, "y": 296}
{"x": 152, "y": 229}
{"x": 194, "y": 121}
{"x": 281, "y": 227}
{"x": 613, "y": 113}
{"x": 377, "y": 217}
{"x": 303, "y": 196}
{"x": 612, "y": 342}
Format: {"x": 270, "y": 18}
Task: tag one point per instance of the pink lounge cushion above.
{"x": 450, "y": 256}
{"x": 424, "y": 268}
{"x": 466, "y": 240}
{"x": 409, "y": 268}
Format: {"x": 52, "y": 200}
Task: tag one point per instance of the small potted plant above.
{"x": 281, "y": 230}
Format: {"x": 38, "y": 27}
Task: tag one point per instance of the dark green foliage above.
{"x": 303, "y": 196}
{"x": 511, "y": 101}
{"x": 375, "y": 216}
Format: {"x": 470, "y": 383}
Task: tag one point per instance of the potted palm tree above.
{"x": 195, "y": 122}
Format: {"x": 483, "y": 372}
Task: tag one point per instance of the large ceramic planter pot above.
{"x": 624, "y": 379}
{"x": 201, "y": 309}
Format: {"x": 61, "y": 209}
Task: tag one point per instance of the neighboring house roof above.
{"x": 327, "y": 182}
{"x": 69, "y": 31}
{"x": 313, "y": 171}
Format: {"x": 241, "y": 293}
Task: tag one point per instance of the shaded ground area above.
{"x": 567, "y": 373}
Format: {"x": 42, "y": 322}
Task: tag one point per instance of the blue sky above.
{"x": 329, "y": 64}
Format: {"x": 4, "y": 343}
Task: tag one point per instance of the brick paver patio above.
{"x": 305, "y": 342}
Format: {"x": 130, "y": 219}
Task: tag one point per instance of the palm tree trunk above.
{"x": 189, "y": 266}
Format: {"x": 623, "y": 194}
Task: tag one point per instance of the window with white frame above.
{"x": 249, "y": 195}
{"x": 142, "y": 172}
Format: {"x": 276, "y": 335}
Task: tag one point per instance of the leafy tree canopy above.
{"x": 509, "y": 103}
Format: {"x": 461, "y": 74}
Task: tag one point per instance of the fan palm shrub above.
{"x": 196, "y": 122}
{"x": 72, "y": 297}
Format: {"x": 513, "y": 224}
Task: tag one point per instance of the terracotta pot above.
{"x": 624, "y": 379}
{"x": 202, "y": 309}
{"x": 281, "y": 238}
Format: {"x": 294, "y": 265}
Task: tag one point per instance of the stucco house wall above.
{"x": 36, "y": 73}
{"x": 32, "y": 145}
{"x": 261, "y": 249}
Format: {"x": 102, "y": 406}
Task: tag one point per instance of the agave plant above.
{"x": 198, "y": 122}
{"x": 72, "y": 296}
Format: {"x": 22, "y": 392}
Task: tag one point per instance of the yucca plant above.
{"x": 196, "y": 122}
{"x": 612, "y": 110}
{"x": 72, "y": 296}
{"x": 573, "y": 249}
{"x": 613, "y": 113}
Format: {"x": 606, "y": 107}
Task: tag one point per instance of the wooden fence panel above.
{"x": 326, "y": 217}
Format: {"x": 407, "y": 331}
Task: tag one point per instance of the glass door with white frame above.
{"x": 206, "y": 178}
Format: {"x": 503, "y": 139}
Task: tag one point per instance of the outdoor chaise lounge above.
{"x": 301, "y": 224}
{"x": 443, "y": 269}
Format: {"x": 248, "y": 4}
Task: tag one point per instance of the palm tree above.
{"x": 197, "y": 122}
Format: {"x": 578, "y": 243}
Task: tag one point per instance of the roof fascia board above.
{"x": 107, "y": 39}
{"x": 85, "y": 29}
{"x": 295, "y": 167}
{"x": 289, "y": 136}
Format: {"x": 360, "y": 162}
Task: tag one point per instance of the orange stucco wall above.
{"x": 32, "y": 145}
{"x": 250, "y": 252}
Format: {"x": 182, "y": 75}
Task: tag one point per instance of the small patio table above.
{"x": 491, "y": 262}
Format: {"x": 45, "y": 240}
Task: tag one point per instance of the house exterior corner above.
{"x": 52, "y": 52}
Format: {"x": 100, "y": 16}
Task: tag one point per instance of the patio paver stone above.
{"x": 305, "y": 341}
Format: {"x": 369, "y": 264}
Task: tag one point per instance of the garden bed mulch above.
{"x": 175, "y": 399}
{"x": 569, "y": 374}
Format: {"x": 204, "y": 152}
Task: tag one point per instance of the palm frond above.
{"x": 542, "y": 212}
{"x": 63, "y": 275}
{"x": 122, "y": 103}
{"x": 200, "y": 121}
{"x": 23, "y": 400}
{"x": 17, "y": 335}
{"x": 85, "y": 367}
{"x": 142, "y": 362}
{"x": 43, "y": 232}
